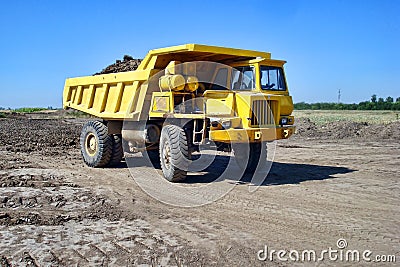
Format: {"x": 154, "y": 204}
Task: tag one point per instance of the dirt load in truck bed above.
{"x": 128, "y": 63}
{"x": 326, "y": 183}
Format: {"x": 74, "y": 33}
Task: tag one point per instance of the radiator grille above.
{"x": 262, "y": 112}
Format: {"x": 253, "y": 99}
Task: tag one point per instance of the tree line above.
{"x": 374, "y": 104}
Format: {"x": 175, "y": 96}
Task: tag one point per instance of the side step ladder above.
{"x": 197, "y": 134}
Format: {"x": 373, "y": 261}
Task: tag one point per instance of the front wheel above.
{"x": 96, "y": 144}
{"x": 117, "y": 151}
{"x": 174, "y": 153}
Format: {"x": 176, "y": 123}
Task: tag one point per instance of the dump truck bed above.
{"x": 109, "y": 96}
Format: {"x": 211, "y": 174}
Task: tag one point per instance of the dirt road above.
{"x": 55, "y": 211}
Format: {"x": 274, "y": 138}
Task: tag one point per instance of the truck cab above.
{"x": 261, "y": 77}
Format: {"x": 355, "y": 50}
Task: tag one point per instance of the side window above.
{"x": 248, "y": 78}
{"x": 272, "y": 78}
{"x": 243, "y": 78}
{"x": 220, "y": 80}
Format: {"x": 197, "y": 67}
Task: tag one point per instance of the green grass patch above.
{"x": 369, "y": 116}
{"x": 28, "y": 110}
{"x": 79, "y": 114}
{"x": 2, "y": 115}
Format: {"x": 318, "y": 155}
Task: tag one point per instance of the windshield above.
{"x": 243, "y": 78}
{"x": 272, "y": 78}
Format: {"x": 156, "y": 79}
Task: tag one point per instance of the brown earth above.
{"x": 348, "y": 129}
{"x": 339, "y": 180}
{"x": 127, "y": 64}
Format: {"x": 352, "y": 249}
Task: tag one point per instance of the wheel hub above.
{"x": 91, "y": 144}
{"x": 167, "y": 155}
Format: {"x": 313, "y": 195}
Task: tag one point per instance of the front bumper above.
{"x": 252, "y": 134}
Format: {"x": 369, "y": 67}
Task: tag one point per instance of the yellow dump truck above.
{"x": 180, "y": 98}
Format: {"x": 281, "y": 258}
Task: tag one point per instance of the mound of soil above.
{"x": 27, "y": 135}
{"x": 127, "y": 64}
{"x": 306, "y": 128}
{"x": 381, "y": 131}
{"x": 347, "y": 129}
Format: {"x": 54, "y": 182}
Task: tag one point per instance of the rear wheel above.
{"x": 174, "y": 153}
{"x": 96, "y": 144}
{"x": 117, "y": 151}
{"x": 248, "y": 156}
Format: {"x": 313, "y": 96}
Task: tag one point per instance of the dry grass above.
{"x": 369, "y": 116}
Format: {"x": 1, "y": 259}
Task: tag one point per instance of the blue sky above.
{"x": 351, "y": 45}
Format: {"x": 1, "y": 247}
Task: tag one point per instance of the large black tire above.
{"x": 248, "y": 161}
{"x": 117, "y": 151}
{"x": 96, "y": 144}
{"x": 174, "y": 153}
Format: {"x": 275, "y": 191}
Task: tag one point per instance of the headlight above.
{"x": 226, "y": 124}
{"x": 214, "y": 124}
{"x": 284, "y": 121}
